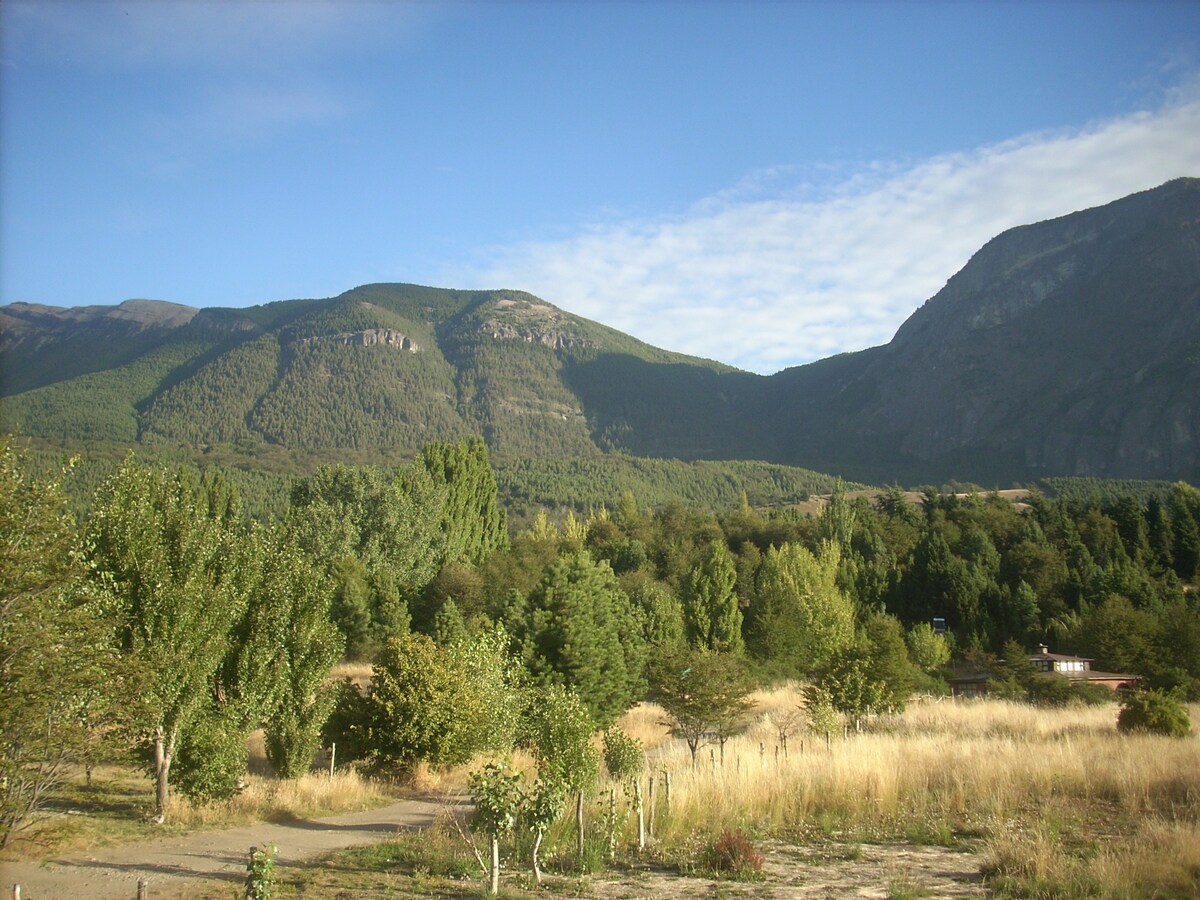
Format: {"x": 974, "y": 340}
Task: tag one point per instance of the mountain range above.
{"x": 1066, "y": 347}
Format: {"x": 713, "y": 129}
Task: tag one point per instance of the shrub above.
{"x": 733, "y": 855}
{"x": 347, "y": 723}
{"x": 1091, "y": 694}
{"x": 211, "y": 761}
{"x": 1049, "y": 690}
{"x": 441, "y": 705}
{"x": 1154, "y": 711}
{"x": 623, "y": 755}
{"x": 260, "y": 874}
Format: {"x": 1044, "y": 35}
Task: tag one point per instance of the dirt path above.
{"x": 171, "y": 864}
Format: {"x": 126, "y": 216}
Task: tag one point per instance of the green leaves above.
{"x": 441, "y": 704}
{"x": 557, "y": 728}
{"x": 624, "y": 756}
{"x": 704, "y": 693}
{"x": 799, "y": 618}
{"x": 497, "y": 796}
{"x": 59, "y": 693}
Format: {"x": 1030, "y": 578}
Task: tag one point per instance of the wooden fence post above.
{"x": 650, "y": 803}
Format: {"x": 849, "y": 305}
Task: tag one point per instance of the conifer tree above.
{"x": 579, "y": 630}
{"x": 711, "y": 614}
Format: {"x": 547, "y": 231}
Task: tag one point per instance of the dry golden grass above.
{"x": 273, "y": 799}
{"x": 1029, "y": 781}
{"x": 358, "y": 672}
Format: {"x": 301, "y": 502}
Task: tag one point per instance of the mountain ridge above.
{"x": 1065, "y": 347}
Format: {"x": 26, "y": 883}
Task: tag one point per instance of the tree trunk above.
{"x": 495, "y": 842}
{"x": 164, "y": 752}
{"x": 650, "y": 802}
{"x": 579, "y": 824}
{"x": 537, "y": 846}
{"x": 612, "y": 823}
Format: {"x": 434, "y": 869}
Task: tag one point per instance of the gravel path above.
{"x": 171, "y": 864}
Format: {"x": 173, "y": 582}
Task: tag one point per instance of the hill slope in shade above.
{"x": 1067, "y": 347}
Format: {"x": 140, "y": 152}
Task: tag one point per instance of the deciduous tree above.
{"x": 60, "y": 686}
{"x": 172, "y": 569}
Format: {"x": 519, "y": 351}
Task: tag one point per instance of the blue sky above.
{"x": 761, "y": 183}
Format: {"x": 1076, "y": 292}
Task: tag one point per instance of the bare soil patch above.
{"x": 828, "y": 871}
{"x": 177, "y": 866}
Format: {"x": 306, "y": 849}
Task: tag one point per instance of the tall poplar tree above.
{"x": 57, "y": 672}
{"x": 171, "y": 567}
{"x": 799, "y": 618}
{"x": 472, "y": 523}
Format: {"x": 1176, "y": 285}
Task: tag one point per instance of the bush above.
{"x": 1091, "y": 694}
{"x": 211, "y": 761}
{"x": 733, "y": 855}
{"x": 1049, "y": 691}
{"x": 260, "y": 874}
{"x": 347, "y": 723}
{"x": 441, "y": 705}
{"x": 1154, "y": 712}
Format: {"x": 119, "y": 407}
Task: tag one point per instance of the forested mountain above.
{"x": 1070, "y": 347}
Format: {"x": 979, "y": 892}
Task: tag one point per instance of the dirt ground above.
{"x": 830, "y": 872}
{"x": 173, "y": 868}
{"x": 170, "y": 865}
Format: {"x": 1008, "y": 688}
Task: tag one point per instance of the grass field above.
{"x": 1051, "y": 803}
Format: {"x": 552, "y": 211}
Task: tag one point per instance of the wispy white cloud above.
{"x": 784, "y": 269}
{"x": 242, "y": 114}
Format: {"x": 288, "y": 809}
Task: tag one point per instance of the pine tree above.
{"x": 579, "y": 630}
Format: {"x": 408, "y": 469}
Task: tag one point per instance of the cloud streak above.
{"x": 792, "y": 266}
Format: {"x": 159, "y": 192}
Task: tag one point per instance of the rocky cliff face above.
{"x": 369, "y": 337}
{"x": 1067, "y": 347}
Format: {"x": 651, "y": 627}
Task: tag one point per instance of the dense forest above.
{"x": 192, "y": 622}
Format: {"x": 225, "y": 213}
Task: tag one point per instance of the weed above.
{"x": 732, "y": 855}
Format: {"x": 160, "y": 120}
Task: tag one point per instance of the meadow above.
{"x": 1058, "y": 801}
{"x": 1038, "y": 802}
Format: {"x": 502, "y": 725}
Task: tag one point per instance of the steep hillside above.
{"x": 1067, "y": 347}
